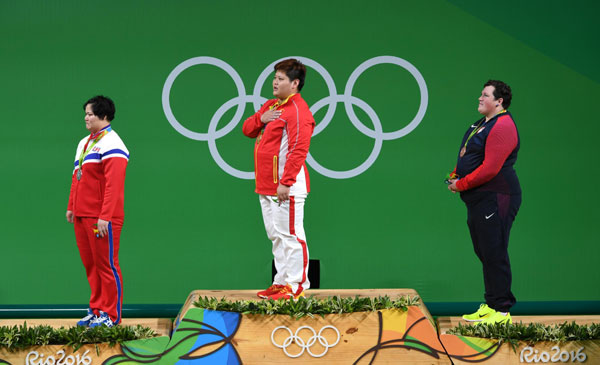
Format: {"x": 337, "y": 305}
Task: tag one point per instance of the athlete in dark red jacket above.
{"x": 488, "y": 184}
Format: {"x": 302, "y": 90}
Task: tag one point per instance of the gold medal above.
{"x": 463, "y": 151}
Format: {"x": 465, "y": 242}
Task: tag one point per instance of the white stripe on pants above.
{"x": 285, "y": 228}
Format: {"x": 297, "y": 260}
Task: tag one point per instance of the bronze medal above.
{"x": 463, "y": 151}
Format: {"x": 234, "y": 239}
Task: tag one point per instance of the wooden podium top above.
{"x": 162, "y": 326}
{"x": 237, "y": 295}
{"x": 446, "y": 323}
{"x": 317, "y": 293}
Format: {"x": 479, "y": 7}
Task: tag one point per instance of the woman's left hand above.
{"x": 452, "y": 187}
{"x": 102, "y": 227}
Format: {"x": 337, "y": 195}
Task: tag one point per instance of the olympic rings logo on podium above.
{"x": 305, "y": 346}
{"x": 330, "y": 101}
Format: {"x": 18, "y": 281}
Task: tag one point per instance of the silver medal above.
{"x": 79, "y": 173}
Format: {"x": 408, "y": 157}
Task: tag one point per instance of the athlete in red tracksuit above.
{"x": 96, "y": 209}
{"x": 283, "y": 128}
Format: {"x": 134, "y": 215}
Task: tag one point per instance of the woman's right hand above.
{"x": 70, "y": 216}
{"x": 452, "y": 187}
{"x": 270, "y": 115}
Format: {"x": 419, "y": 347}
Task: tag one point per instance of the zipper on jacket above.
{"x": 275, "y": 174}
{"x": 258, "y": 139}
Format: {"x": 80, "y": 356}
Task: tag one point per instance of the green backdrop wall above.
{"x": 191, "y": 225}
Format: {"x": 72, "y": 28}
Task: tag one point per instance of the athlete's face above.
{"x": 282, "y": 86}
{"x": 487, "y": 101}
{"x": 92, "y": 122}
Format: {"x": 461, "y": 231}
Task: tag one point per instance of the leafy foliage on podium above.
{"x": 530, "y": 333}
{"x": 308, "y": 306}
{"x": 20, "y": 337}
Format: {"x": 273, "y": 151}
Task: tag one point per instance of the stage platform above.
{"x": 387, "y": 336}
{"x": 237, "y": 295}
{"x": 161, "y": 326}
{"x": 446, "y": 323}
{"x": 317, "y": 293}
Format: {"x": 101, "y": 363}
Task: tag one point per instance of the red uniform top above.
{"x": 281, "y": 146}
{"x": 101, "y": 190}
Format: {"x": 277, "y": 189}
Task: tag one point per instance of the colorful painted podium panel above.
{"x": 86, "y": 355}
{"x": 469, "y": 350}
{"x": 381, "y": 337}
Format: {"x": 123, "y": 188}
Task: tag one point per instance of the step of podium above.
{"x": 317, "y": 293}
{"x": 162, "y": 326}
{"x": 392, "y": 336}
{"x": 237, "y": 295}
{"x": 446, "y": 323}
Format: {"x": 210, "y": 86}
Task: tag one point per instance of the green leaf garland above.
{"x": 530, "y": 333}
{"x": 20, "y": 337}
{"x": 309, "y": 306}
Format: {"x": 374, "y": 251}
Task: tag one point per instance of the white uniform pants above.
{"x": 285, "y": 228}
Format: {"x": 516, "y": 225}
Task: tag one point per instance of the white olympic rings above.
{"x": 295, "y": 338}
{"x": 242, "y": 99}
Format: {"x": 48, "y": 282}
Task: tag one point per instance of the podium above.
{"x": 407, "y": 335}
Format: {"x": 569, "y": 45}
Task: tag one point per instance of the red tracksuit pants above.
{"x": 100, "y": 257}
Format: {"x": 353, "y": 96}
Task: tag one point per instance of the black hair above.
{"x": 501, "y": 90}
{"x": 102, "y": 107}
{"x": 293, "y": 69}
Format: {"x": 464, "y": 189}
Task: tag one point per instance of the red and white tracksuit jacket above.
{"x": 279, "y": 158}
{"x": 281, "y": 147}
{"x": 100, "y": 195}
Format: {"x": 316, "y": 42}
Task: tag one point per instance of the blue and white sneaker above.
{"x": 102, "y": 320}
{"x": 85, "y": 321}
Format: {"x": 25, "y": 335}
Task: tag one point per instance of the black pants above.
{"x": 490, "y": 219}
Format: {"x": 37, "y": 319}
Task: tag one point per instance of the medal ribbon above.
{"x": 478, "y": 128}
{"x": 96, "y": 137}
{"x": 280, "y": 102}
{"x": 473, "y": 133}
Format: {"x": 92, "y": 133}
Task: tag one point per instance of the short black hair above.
{"x": 501, "y": 90}
{"x": 102, "y": 107}
{"x": 294, "y": 70}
